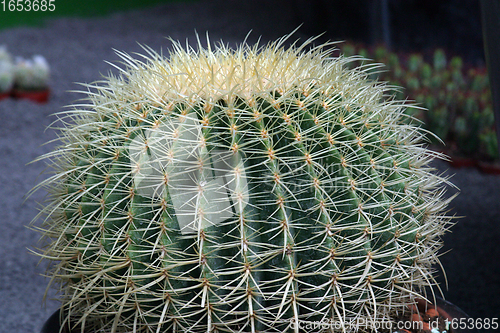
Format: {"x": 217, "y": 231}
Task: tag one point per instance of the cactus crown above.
{"x": 240, "y": 191}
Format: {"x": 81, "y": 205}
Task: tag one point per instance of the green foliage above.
{"x": 240, "y": 191}
{"x": 457, "y": 98}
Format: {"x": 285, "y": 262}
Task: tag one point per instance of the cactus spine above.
{"x": 242, "y": 190}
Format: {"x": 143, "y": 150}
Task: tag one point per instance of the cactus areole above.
{"x": 256, "y": 189}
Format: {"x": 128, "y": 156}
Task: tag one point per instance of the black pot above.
{"x": 53, "y": 324}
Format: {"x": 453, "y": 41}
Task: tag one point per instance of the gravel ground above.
{"x": 76, "y": 48}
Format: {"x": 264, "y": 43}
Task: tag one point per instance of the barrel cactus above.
{"x": 255, "y": 189}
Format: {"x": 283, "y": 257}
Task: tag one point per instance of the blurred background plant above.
{"x": 6, "y": 71}
{"x": 456, "y": 95}
{"x": 31, "y": 74}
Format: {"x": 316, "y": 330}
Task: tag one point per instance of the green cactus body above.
{"x": 240, "y": 191}
{"x": 440, "y": 61}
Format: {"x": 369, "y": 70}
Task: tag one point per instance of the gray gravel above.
{"x": 75, "y": 49}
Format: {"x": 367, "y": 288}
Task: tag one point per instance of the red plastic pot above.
{"x": 489, "y": 168}
{"x": 4, "y": 95}
{"x": 462, "y": 162}
{"x": 38, "y": 96}
{"x": 484, "y": 167}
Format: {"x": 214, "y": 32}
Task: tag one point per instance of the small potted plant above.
{"x": 6, "y": 73}
{"x": 32, "y": 79}
{"x": 261, "y": 189}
